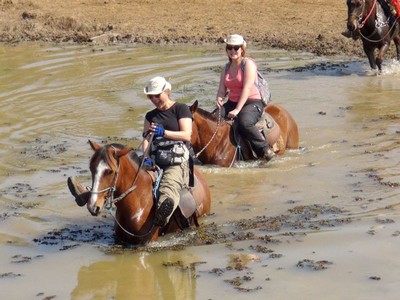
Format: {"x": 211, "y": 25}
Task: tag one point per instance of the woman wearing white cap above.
{"x": 167, "y": 130}
{"x": 244, "y": 103}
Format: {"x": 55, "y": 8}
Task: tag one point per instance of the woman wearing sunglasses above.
{"x": 167, "y": 131}
{"x": 244, "y": 103}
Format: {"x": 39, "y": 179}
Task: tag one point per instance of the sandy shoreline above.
{"x": 310, "y": 26}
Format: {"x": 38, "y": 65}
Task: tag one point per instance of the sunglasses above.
{"x": 230, "y": 47}
{"x": 153, "y": 96}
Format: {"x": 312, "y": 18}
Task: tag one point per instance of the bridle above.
{"x": 212, "y": 137}
{"x": 110, "y": 200}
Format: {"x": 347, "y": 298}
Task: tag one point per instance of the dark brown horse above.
{"x": 370, "y": 19}
{"x": 118, "y": 179}
{"x": 213, "y": 142}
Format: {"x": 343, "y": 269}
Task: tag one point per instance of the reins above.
{"x": 361, "y": 25}
{"x": 213, "y": 136}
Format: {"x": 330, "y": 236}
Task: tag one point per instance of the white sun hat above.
{"x": 235, "y": 40}
{"x": 156, "y": 86}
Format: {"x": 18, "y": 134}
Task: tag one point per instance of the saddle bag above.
{"x": 168, "y": 152}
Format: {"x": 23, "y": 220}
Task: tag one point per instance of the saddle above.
{"x": 187, "y": 202}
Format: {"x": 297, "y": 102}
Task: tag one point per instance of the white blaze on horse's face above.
{"x": 101, "y": 168}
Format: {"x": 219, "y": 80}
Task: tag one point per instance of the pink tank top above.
{"x": 235, "y": 86}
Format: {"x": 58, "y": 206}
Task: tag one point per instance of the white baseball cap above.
{"x": 235, "y": 39}
{"x": 156, "y": 86}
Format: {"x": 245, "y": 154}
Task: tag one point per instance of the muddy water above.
{"x": 53, "y": 99}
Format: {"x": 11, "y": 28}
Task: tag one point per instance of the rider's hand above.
{"x": 158, "y": 130}
{"x": 233, "y": 113}
{"x": 220, "y": 102}
{"x": 147, "y": 163}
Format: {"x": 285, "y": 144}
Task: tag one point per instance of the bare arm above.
{"x": 185, "y": 132}
{"x": 146, "y": 128}
{"x": 222, "y": 89}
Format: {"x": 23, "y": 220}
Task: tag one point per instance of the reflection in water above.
{"x": 164, "y": 275}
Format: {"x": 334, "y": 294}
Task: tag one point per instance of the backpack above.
{"x": 261, "y": 83}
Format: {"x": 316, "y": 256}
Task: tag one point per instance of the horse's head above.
{"x": 204, "y": 126}
{"x": 104, "y": 166}
{"x": 355, "y": 12}
{"x": 210, "y": 137}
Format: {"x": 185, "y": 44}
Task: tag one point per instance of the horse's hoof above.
{"x": 269, "y": 154}
{"x": 163, "y": 212}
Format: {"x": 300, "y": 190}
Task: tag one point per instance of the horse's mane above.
{"x": 209, "y": 115}
{"x": 104, "y": 154}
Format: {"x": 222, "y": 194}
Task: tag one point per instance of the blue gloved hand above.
{"x": 159, "y": 131}
{"x": 147, "y": 163}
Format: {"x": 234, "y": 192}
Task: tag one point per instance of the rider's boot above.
{"x": 355, "y": 35}
{"x": 79, "y": 191}
{"x": 269, "y": 154}
{"x": 164, "y": 212}
{"x": 347, "y": 34}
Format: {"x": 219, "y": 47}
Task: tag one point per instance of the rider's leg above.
{"x": 173, "y": 180}
{"x": 247, "y": 119}
{"x": 79, "y": 191}
{"x": 355, "y": 35}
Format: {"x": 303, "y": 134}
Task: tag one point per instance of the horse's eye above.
{"x": 108, "y": 172}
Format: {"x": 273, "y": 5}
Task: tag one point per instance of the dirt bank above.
{"x": 308, "y": 25}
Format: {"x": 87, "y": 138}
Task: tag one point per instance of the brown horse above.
{"x": 214, "y": 143}
{"x": 370, "y": 19}
{"x": 117, "y": 178}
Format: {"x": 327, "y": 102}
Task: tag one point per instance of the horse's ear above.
{"x": 123, "y": 152}
{"x": 193, "y": 107}
{"x": 94, "y": 145}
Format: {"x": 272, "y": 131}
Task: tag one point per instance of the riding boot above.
{"x": 80, "y": 192}
{"x": 163, "y": 212}
{"x": 269, "y": 154}
{"x": 347, "y": 34}
{"x": 355, "y": 35}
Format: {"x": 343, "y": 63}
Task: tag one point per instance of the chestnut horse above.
{"x": 368, "y": 17}
{"x": 117, "y": 178}
{"x": 214, "y": 143}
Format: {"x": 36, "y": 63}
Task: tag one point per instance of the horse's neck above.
{"x": 374, "y": 10}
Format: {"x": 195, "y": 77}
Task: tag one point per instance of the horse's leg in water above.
{"x": 381, "y": 54}
{"x": 396, "y": 41}
{"x": 369, "y": 51}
